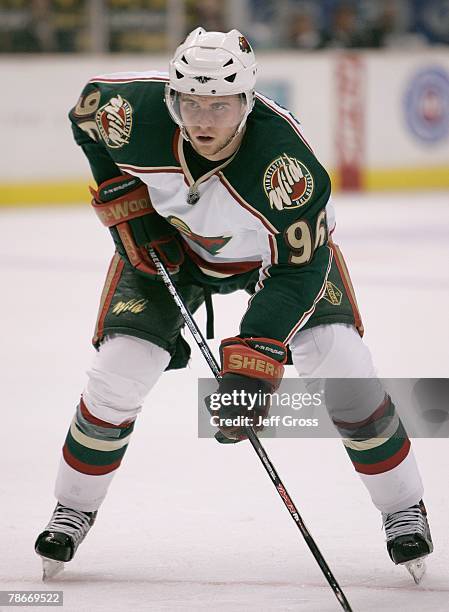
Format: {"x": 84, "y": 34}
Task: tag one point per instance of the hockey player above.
{"x": 221, "y": 182}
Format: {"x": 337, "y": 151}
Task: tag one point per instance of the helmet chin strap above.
{"x": 239, "y": 129}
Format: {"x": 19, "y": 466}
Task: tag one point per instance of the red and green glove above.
{"x": 124, "y": 206}
{"x": 251, "y": 369}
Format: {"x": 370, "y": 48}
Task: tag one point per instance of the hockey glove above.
{"x": 123, "y": 205}
{"x": 251, "y": 369}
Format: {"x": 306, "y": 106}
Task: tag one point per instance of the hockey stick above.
{"x": 249, "y": 431}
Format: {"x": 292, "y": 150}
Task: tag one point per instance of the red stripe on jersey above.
{"x": 100, "y": 79}
{"x": 305, "y": 317}
{"x": 175, "y": 144}
{"x": 344, "y": 273}
{"x": 143, "y": 170}
{"x": 112, "y": 279}
{"x": 273, "y": 261}
{"x": 273, "y": 250}
{"x": 245, "y": 205}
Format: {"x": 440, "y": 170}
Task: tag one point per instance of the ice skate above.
{"x": 57, "y": 544}
{"x": 408, "y": 538}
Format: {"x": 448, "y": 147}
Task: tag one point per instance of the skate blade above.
{"x": 416, "y": 568}
{"x": 51, "y": 568}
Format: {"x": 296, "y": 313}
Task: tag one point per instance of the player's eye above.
{"x": 191, "y": 106}
{"x": 219, "y": 107}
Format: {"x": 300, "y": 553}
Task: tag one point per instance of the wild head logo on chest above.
{"x": 288, "y": 183}
{"x": 211, "y": 244}
{"x": 115, "y": 120}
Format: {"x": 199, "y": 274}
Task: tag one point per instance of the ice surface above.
{"x": 188, "y": 524}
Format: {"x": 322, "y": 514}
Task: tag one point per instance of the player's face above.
{"x": 211, "y": 122}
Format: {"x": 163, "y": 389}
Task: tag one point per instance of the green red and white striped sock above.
{"x": 377, "y": 444}
{"x": 93, "y": 446}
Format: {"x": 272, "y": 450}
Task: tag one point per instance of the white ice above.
{"x": 189, "y": 524}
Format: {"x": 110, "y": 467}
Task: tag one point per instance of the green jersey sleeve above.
{"x": 286, "y": 297}
{"x": 289, "y": 188}
{"x": 85, "y": 132}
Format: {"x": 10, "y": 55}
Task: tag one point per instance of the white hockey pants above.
{"x": 125, "y": 369}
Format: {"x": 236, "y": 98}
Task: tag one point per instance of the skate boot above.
{"x": 57, "y": 544}
{"x": 408, "y": 538}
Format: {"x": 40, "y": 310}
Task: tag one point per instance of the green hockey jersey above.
{"x": 265, "y": 210}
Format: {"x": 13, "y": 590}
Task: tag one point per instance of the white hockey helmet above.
{"x": 212, "y": 64}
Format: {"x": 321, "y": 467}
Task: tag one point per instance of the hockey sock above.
{"x": 93, "y": 446}
{"x": 377, "y": 444}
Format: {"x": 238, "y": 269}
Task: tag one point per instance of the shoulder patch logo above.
{"x": 114, "y": 120}
{"x": 211, "y": 244}
{"x": 288, "y": 183}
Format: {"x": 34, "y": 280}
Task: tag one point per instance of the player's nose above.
{"x": 205, "y": 118}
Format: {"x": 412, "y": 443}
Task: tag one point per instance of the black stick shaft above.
{"x": 269, "y": 467}
{"x": 283, "y": 494}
